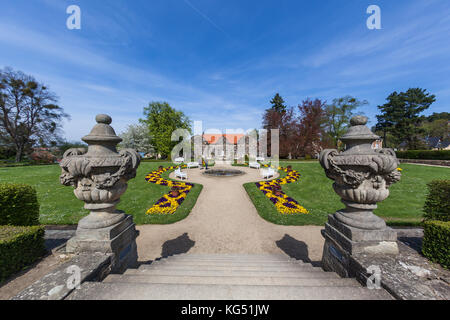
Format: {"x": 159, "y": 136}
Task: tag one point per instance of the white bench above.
{"x": 259, "y": 159}
{"x": 266, "y": 174}
{"x": 193, "y": 165}
{"x": 178, "y": 160}
{"x": 255, "y": 165}
{"x": 179, "y": 174}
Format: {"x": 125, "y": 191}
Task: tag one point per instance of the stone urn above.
{"x": 362, "y": 177}
{"x": 100, "y": 177}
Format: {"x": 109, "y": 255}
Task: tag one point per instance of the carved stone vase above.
{"x": 362, "y": 177}
{"x": 100, "y": 177}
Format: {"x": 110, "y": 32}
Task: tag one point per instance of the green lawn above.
{"x": 59, "y": 205}
{"x": 315, "y": 193}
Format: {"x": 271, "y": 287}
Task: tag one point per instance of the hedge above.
{"x": 436, "y": 242}
{"x": 19, "y": 247}
{"x": 18, "y": 205}
{"x": 437, "y": 203}
{"x": 424, "y": 154}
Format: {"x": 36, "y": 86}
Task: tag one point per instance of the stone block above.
{"x": 119, "y": 239}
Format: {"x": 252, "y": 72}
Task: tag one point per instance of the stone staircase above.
{"x": 226, "y": 277}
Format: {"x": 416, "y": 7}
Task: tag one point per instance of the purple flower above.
{"x": 161, "y": 200}
{"x": 165, "y": 205}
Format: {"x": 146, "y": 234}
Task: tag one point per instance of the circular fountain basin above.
{"x": 223, "y": 172}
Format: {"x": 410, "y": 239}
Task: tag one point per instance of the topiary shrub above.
{"x": 437, "y": 204}
{"x": 19, "y": 247}
{"x": 436, "y": 242}
{"x": 424, "y": 154}
{"x": 18, "y": 205}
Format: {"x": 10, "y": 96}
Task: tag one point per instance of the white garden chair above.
{"x": 179, "y": 160}
{"x": 266, "y": 174}
{"x": 179, "y": 174}
{"x": 255, "y": 165}
{"x": 193, "y": 165}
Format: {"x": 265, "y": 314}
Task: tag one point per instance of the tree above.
{"x": 338, "y": 115}
{"x": 137, "y": 137}
{"x": 311, "y": 126}
{"x": 28, "y": 111}
{"x": 161, "y": 120}
{"x": 273, "y": 117}
{"x": 437, "y": 125}
{"x": 438, "y": 116}
{"x": 437, "y": 128}
{"x": 400, "y": 116}
{"x": 278, "y": 103}
{"x": 278, "y": 116}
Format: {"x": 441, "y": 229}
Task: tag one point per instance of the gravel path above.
{"x": 224, "y": 220}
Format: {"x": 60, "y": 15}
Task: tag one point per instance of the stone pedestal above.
{"x": 362, "y": 177}
{"x": 100, "y": 177}
{"x": 118, "y": 239}
{"x": 343, "y": 241}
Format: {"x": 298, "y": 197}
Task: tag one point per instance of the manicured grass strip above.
{"x": 314, "y": 191}
{"x": 317, "y": 215}
{"x": 58, "y": 204}
{"x": 407, "y": 197}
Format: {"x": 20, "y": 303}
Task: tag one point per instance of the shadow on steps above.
{"x": 179, "y": 245}
{"x": 296, "y": 249}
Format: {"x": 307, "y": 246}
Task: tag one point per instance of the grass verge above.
{"x": 314, "y": 191}
{"x": 59, "y": 206}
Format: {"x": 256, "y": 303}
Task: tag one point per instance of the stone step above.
{"x": 232, "y": 257}
{"x": 231, "y": 268}
{"x": 238, "y": 273}
{"x": 228, "y": 262}
{"x": 232, "y": 280}
{"x": 144, "y": 291}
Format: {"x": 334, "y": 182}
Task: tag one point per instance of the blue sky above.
{"x": 222, "y": 61}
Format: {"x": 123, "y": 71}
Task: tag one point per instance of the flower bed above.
{"x": 272, "y": 190}
{"x": 168, "y": 203}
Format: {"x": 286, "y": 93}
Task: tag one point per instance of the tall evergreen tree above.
{"x": 278, "y": 104}
{"x": 400, "y": 116}
{"x": 278, "y": 116}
